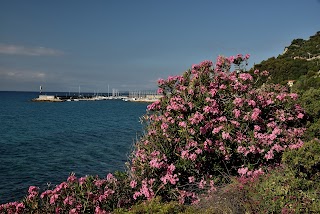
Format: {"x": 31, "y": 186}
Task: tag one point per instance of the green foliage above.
{"x": 304, "y": 162}
{"x": 227, "y": 199}
{"x": 154, "y": 206}
{"x": 306, "y": 82}
{"x": 292, "y": 189}
{"x": 282, "y": 192}
{"x": 303, "y": 48}
{"x": 299, "y": 59}
{"x": 310, "y": 101}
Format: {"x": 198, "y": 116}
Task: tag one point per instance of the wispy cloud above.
{"x": 28, "y": 51}
{"x": 25, "y": 75}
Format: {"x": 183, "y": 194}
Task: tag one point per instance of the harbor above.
{"x": 126, "y": 96}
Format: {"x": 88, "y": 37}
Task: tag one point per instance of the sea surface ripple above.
{"x": 43, "y": 142}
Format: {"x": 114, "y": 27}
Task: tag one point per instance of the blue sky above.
{"x": 129, "y": 44}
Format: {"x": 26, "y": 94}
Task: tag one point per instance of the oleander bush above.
{"x": 76, "y": 195}
{"x": 211, "y": 124}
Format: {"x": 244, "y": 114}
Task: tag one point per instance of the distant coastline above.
{"x": 54, "y": 98}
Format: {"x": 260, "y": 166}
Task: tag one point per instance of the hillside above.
{"x": 301, "y": 57}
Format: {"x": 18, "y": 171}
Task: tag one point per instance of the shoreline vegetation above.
{"x": 217, "y": 141}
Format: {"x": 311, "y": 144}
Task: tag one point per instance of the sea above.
{"x": 41, "y": 143}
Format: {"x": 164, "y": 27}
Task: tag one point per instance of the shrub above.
{"x": 305, "y": 162}
{"x": 154, "y": 206}
{"x": 84, "y": 195}
{"x": 211, "y": 123}
{"x": 292, "y": 188}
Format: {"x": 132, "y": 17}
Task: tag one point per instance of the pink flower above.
{"x": 212, "y": 187}
{"x": 110, "y": 177}
{"x": 255, "y": 113}
{"x": 257, "y": 128}
{"x": 144, "y": 190}
{"x": 264, "y": 73}
{"x": 225, "y": 135}
{"x": 136, "y": 195}
{"x": 252, "y": 103}
{"x": 58, "y": 210}
{"x": 32, "y": 189}
{"x": 235, "y": 123}
{"x": 222, "y": 87}
{"x": 192, "y": 131}
{"x": 238, "y": 102}
{"x": 193, "y": 156}
{"x": 161, "y": 82}
{"x": 99, "y": 182}
{"x": 98, "y": 210}
{"x": 171, "y": 178}
{"x": 45, "y": 193}
{"x": 72, "y": 178}
{"x": 164, "y": 127}
{"x": 19, "y": 207}
{"x": 300, "y": 115}
{"x": 213, "y": 92}
{"x": 184, "y": 154}
{"x": 68, "y": 200}
{"x": 155, "y": 153}
{"x": 197, "y": 117}
{"x": 171, "y": 168}
{"x": 258, "y": 172}
{"x": 297, "y": 145}
{"x": 241, "y": 149}
{"x": 245, "y": 76}
{"x": 206, "y": 63}
{"x": 217, "y": 129}
{"x": 54, "y": 198}
{"x": 243, "y": 171}
{"x": 269, "y": 155}
{"x": 277, "y": 148}
{"x": 294, "y": 96}
{"x": 183, "y": 124}
{"x": 281, "y": 97}
{"x": 73, "y": 211}
{"x": 155, "y": 163}
{"x": 191, "y": 179}
{"x": 198, "y": 151}
{"x": 202, "y": 183}
{"x": 82, "y": 180}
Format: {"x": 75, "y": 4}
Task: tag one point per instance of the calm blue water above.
{"x": 43, "y": 143}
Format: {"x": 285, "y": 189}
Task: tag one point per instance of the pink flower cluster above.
{"x": 12, "y": 207}
{"x": 211, "y": 117}
{"x": 83, "y": 195}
